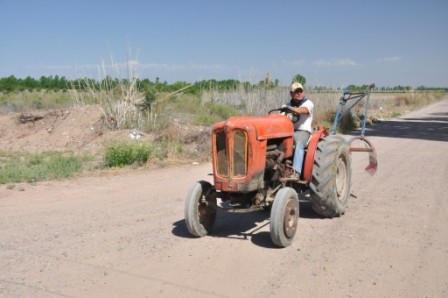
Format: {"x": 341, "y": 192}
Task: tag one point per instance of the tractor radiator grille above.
{"x": 222, "y": 166}
{"x": 239, "y": 153}
{"x": 237, "y": 165}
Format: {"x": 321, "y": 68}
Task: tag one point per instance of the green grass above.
{"x": 17, "y": 167}
{"x": 119, "y": 154}
{"x": 33, "y": 167}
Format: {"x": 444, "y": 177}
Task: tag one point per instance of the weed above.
{"x": 395, "y": 114}
{"x": 119, "y": 154}
{"x": 28, "y": 167}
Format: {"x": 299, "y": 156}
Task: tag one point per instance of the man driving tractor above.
{"x": 302, "y": 120}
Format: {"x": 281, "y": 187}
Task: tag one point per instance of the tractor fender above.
{"x": 320, "y": 132}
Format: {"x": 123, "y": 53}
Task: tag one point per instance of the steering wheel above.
{"x": 285, "y": 110}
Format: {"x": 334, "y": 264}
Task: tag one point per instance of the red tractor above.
{"x": 252, "y": 163}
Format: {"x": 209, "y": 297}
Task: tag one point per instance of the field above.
{"x": 34, "y": 125}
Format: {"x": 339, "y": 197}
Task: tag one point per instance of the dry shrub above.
{"x": 402, "y": 100}
{"x": 416, "y": 99}
{"x": 119, "y": 103}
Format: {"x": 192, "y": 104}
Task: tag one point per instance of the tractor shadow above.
{"x": 433, "y": 127}
{"x": 244, "y": 225}
{"x": 249, "y": 225}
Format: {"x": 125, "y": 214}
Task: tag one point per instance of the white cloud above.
{"x": 335, "y": 62}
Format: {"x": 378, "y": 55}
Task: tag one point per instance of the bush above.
{"x": 346, "y": 124}
{"x": 127, "y": 153}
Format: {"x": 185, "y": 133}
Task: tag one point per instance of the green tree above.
{"x": 30, "y": 83}
{"x": 63, "y": 83}
{"x": 299, "y": 78}
{"x": 45, "y": 83}
{"x": 9, "y": 84}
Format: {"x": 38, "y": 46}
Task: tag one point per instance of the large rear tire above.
{"x": 200, "y": 209}
{"x": 284, "y": 217}
{"x": 331, "y": 178}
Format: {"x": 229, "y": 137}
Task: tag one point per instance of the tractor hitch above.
{"x": 344, "y": 110}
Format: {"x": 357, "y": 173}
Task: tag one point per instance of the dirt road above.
{"x": 125, "y": 236}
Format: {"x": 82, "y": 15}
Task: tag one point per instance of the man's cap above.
{"x": 296, "y": 86}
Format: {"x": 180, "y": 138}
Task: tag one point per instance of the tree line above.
{"x": 57, "y": 83}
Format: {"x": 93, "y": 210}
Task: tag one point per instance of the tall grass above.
{"x": 389, "y": 105}
{"x": 255, "y": 101}
{"x": 22, "y": 101}
{"x": 119, "y": 103}
{"x": 258, "y": 100}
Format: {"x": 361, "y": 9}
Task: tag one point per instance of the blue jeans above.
{"x": 301, "y": 138}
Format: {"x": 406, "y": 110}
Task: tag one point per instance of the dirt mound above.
{"x": 83, "y": 130}
{"x": 77, "y": 129}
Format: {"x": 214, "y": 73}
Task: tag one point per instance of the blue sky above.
{"x": 331, "y": 43}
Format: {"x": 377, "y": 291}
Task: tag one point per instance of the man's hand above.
{"x": 287, "y": 108}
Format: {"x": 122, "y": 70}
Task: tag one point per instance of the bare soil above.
{"x": 79, "y": 129}
{"x": 124, "y": 235}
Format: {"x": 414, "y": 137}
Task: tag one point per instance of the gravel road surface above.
{"x": 125, "y": 236}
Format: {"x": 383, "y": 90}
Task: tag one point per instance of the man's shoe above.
{"x": 295, "y": 175}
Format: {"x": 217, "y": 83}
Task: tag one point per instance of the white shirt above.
{"x": 305, "y": 121}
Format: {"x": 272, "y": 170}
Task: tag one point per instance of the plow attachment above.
{"x": 369, "y": 148}
{"x": 347, "y": 101}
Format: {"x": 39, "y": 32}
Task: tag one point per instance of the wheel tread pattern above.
{"x": 324, "y": 197}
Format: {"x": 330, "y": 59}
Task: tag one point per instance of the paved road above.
{"x": 124, "y": 235}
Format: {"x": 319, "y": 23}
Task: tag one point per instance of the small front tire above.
{"x": 200, "y": 209}
{"x": 284, "y": 217}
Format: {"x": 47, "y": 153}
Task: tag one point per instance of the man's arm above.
{"x": 300, "y": 110}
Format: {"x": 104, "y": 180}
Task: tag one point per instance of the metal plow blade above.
{"x": 368, "y": 147}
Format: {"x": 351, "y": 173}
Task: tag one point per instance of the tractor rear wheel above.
{"x": 284, "y": 217}
{"x": 331, "y": 177}
{"x": 200, "y": 209}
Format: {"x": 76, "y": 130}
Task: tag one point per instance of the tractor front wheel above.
{"x": 284, "y": 217}
{"x": 331, "y": 178}
{"x": 200, "y": 209}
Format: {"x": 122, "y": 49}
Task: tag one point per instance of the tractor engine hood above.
{"x": 266, "y": 127}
